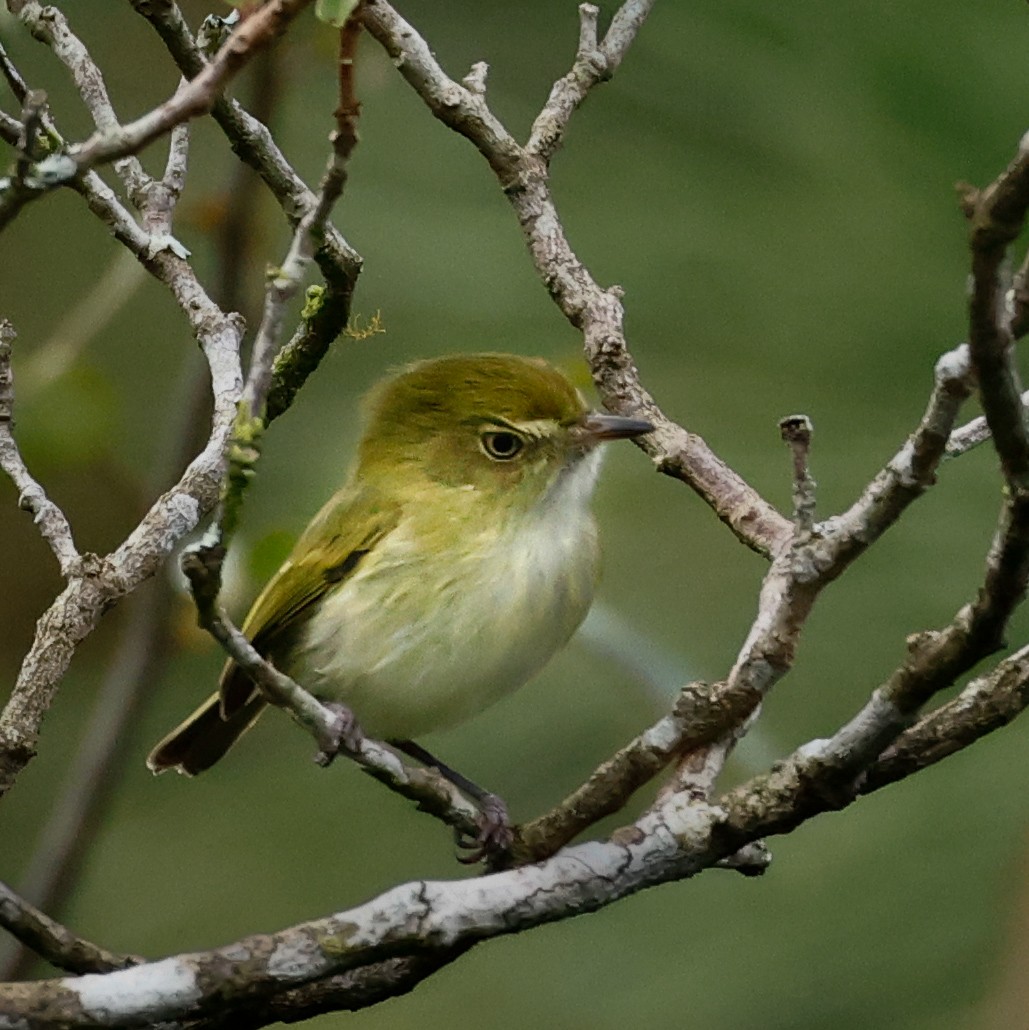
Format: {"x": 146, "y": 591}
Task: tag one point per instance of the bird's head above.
{"x": 499, "y": 425}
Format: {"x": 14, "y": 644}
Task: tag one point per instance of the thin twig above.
{"x": 14, "y": 79}
{"x": 252, "y": 143}
{"x": 10, "y": 129}
{"x": 984, "y": 705}
{"x": 997, "y": 216}
{"x": 796, "y": 433}
{"x": 243, "y": 449}
{"x": 264, "y": 25}
{"x": 54, "y": 942}
{"x": 52, "y": 523}
{"x": 50, "y": 26}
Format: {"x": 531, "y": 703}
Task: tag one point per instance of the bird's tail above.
{"x": 204, "y": 737}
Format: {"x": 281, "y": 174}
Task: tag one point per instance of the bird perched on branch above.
{"x": 457, "y": 558}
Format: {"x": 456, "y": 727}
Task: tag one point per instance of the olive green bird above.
{"x": 457, "y": 558}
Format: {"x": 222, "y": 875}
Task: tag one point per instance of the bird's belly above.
{"x": 425, "y": 646}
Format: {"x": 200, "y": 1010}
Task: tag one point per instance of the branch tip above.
{"x": 796, "y": 432}
{"x": 588, "y": 38}
{"x": 475, "y": 80}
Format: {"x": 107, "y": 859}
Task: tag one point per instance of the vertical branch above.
{"x": 203, "y": 564}
{"x": 796, "y": 434}
{"x": 997, "y": 215}
{"x": 31, "y": 497}
{"x": 244, "y": 447}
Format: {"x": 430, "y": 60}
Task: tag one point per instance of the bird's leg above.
{"x": 495, "y": 835}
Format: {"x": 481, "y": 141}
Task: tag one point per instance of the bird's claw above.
{"x": 344, "y": 734}
{"x": 495, "y": 835}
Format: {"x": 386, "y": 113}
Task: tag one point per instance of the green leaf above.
{"x": 334, "y": 12}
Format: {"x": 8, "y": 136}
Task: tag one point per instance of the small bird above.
{"x": 458, "y": 557}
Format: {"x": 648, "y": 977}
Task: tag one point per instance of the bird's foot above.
{"x": 494, "y": 838}
{"x": 344, "y": 734}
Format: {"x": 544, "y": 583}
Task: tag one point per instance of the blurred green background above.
{"x": 772, "y": 185}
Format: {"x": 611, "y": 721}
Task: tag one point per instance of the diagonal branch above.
{"x": 523, "y": 175}
{"x": 260, "y": 28}
{"x": 50, "y": 26}
{"x": 425, "y": 787}
{"x": 595, "y": 62}
{"x": 54, "y": 942}
{"x": 252, "y": 143}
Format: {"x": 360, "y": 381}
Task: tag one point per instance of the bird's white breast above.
{"x": 418, "y": 639}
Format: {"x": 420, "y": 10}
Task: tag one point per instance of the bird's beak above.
{"x": 598, "y": 426}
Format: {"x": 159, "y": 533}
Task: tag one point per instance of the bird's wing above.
{"x": 327, "y": 553}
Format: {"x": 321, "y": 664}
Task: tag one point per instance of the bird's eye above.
{"x": 500, "y": 445}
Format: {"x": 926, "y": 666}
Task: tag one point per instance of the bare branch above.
{"x": 984, "y": 705}
{"x": 328, "y": 310}
{"x": 820, "y": 776}
{"x": 912, "y": 470}
{"x": 465, "y": 111}
{"x": 594, "y": 63}
{"x": 262, "y": 26}
{"x": 54, "y": 942}
{"x": 53, "y": 526}
{"x": 49, "y": 26}
{"x": 997, "y": 215}
{"x": 253, "y": 143}
{"x": 17, "y": 84}
{"x": 614, "y": 781}
{"x": 282, "y": 286}
{"x": 597, "y": 312}
{"x": 103, "y": 581}
{"x": 971, "y": 435}
{"x": 10, "y": 129}
{"x": 796, "y": 433}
